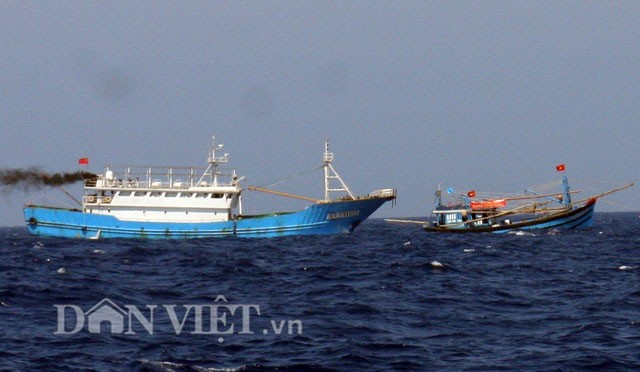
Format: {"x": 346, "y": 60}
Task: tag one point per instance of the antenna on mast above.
{"x": 212, "y": 170}
{"x": 214, "y": 148}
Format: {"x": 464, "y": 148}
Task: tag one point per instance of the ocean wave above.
{"x": 364, "y": 301}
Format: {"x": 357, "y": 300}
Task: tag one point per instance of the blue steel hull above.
{"x": 317, "y": 219}
{"x": 577, "y": 218}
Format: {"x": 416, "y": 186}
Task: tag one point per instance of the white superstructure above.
{"x": 166, "y": 194}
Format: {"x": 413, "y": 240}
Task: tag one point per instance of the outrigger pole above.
{"x": 538, "y": 196}
{"x": 606, "y": 193}
{"x": 406, "y": 221}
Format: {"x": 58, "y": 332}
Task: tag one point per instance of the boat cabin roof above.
{"x": 447, "y": 211}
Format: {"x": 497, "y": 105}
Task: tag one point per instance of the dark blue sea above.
{"x": 387, "y": 297}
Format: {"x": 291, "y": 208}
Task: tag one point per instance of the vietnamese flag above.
{"x": 83, "y": 161}
{"x": 471, "y": 194}
{"x": 560, "y": 168}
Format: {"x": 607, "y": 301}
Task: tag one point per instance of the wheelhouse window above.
{"x": 453, "y": 217}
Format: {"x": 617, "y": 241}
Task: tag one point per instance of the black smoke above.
{"x": 35, "y": 177}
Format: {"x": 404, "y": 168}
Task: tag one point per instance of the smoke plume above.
{"x": 35, "y": 177}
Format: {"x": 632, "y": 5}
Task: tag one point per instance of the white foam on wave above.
{"x": 521, "y": 233}
{"x": 170, "y": 367}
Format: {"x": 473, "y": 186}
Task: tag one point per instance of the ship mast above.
{"x": 212, "y": 169}
{"x": 331, "y": 176}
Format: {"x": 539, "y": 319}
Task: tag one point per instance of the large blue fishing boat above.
{"x": 184, "y": 202}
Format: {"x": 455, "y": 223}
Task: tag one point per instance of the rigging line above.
{"x": 290, "y": 177}
{"x": 70, "y": 196}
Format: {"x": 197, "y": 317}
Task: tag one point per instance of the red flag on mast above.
{"x": 83, "y": 161}
{"x": 560, "y": 168}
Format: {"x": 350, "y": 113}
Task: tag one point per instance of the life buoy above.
{"x": 106, "y": 199}
{"x": 91, "y": 199}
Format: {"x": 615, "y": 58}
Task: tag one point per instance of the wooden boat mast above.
{"x": 564, "y": 199}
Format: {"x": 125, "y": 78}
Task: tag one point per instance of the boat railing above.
{"x": 383, "y": 193}
{"x": 158, "y": 177}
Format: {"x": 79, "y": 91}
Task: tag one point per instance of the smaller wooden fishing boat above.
{"x": 469, "y": 214}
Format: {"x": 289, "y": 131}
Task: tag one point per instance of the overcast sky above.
{"x": 484, "y": 95}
